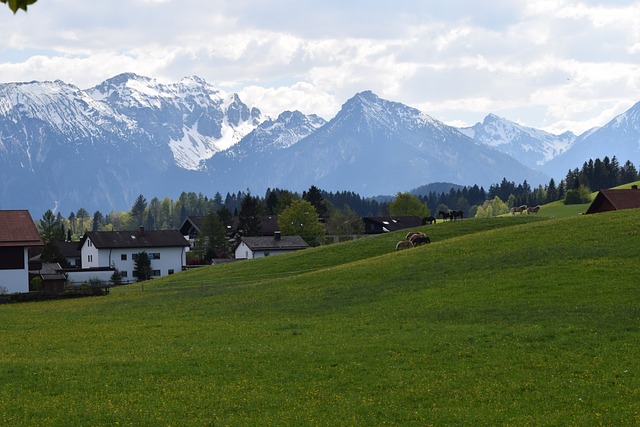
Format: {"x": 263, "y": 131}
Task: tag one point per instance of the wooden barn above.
{"x": 613, "y": 200}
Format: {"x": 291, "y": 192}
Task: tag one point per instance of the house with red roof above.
{"x": 18, "y": 233}
{"x": 613, "y": 200}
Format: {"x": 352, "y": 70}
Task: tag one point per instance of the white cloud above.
{"x": 555, "y": 64}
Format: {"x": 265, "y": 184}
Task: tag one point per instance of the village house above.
{"x": 17, "y": 234}
{"x": 71, "y": 252}
{"x": 258, "y": 247}
{"x": 192, "y": 227}
{"x": 104, "y": 251}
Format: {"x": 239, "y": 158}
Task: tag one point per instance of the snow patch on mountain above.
{"x": 192, "y": 149}
{"x": 231, "y": 135}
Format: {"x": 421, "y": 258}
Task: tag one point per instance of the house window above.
{"x": 89, "y": 243}
{"x": 171, "y": 271}
{"x": 123, "y": 257}
{"x": 11, "y": 258}
{"x": 124, "y": 274}
{"x": 90, "y": 258}
{"x": 154, "y": 255}
{"x": 155, "y": 272}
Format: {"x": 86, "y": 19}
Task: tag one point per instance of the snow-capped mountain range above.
{"x": 63, "y": 148}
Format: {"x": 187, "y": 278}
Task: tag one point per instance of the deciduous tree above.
{"x": 407, "y": 205}
{"x": 301, "y": 219}
{"x": 14, "y": 5}
{"x": 345, "y": 222}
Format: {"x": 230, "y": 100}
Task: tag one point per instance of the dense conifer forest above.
{"x": 170, "y": 214}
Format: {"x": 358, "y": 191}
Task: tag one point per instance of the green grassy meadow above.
{"x": 499, "y": 321}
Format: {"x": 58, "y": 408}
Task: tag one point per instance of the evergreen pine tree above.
{"x": 51, "y": 233}
{"x": 250, "y": 216}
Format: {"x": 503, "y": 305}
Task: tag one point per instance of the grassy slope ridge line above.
{"x": 531, "y": 324}
{"x": 325, "y": 256}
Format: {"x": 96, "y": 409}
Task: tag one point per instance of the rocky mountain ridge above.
{"x": 63, "y": 148}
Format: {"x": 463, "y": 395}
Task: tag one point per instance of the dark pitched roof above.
{"x": 273, "y": 244}
{"x": 612, "y": 200}
{"x": 391, "y": 223}
{"x": 195, "y": 222}
{"x": 269, "y": 225}
{"x": 135, "y": 239}
{"x": 69, "y": 249}
{"x": 51, "y": 271}
{"x": 18, "y": 229}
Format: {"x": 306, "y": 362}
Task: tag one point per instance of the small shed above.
{"x": 614, "y": 200}
{"x": 53, "y": 280}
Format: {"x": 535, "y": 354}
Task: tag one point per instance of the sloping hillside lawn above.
{"x": 504, "y": 321}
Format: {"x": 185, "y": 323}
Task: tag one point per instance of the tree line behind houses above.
{"x": 341, "y": 211}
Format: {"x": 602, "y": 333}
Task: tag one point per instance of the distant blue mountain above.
{"x": 63, "y": 148}
{"x": 374, "y": 146}
{"x": 620, "y": 138}
{"x": 531, "y": 147}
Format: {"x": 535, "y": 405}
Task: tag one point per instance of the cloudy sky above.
{"x": 552, "y": 64}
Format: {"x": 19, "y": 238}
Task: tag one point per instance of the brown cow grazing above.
{"x": 421, "y": 240}
{"x": 403, "y": 244}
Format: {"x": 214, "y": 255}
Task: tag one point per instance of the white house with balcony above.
{"x": 104, "y": 251}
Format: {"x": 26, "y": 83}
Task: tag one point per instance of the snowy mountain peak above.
{"x": 631, "y": 117}
{"x": 192, "y": 117}
{"x": 193, "y": 81}
{"x": 381, "y": 113}
{"x": 288, "y": 129}
{"x": 533, "y": 147}
{"x": 54, "y": 104}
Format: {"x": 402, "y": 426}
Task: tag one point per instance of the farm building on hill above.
{"x": 613, "y": 200}
{"x": 385, "y": 224}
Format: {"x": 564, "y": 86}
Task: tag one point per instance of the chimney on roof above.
{"x": 141, "y": 230}
{"x": 276, "y": 235}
